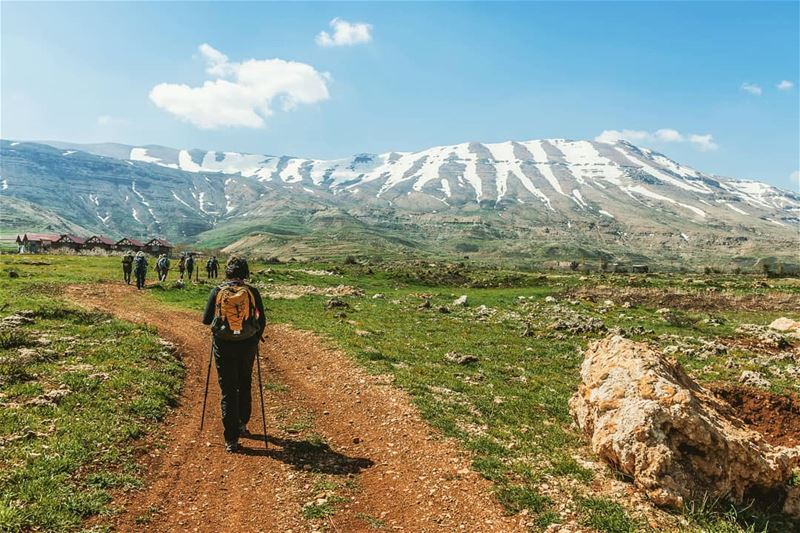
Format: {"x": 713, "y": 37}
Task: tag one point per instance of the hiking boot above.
{"x": 243, "y": 431}
{"x": 232, "y": 446}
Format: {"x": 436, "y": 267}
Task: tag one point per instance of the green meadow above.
{"x": 494, "y": 374}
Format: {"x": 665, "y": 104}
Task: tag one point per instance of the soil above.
{"x": 689, "y": 300}
{"x": 407, "y": 476}
{"x": 776, "y": 417}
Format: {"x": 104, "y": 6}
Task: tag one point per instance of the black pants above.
{"x": 162, "y": 275}
{"x": 214, "y": 272}
{"x": 234, "y": 362}
{"x": 126, "y": 274}
{"x": 140, "y": 276}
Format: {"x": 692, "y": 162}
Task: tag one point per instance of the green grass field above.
{"x": 78, "y": 391}
{"x": 508, "y": 407}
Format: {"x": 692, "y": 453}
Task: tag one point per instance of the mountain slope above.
{"x": 511, "y": 199}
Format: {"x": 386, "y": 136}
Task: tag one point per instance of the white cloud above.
{"x": 751, "y": 88}
{"x": 345, "y": 33}
{"x": 242, "y": 94}
{"x": 794, "y": 178}
{"x": 704, "y": 143}
{"x": 785, "y": 85}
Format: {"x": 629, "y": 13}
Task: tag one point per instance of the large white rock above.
{"x": 786, "y": 325}
{"x": 648, "y": 419}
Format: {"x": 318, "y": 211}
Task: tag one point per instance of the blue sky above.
{"x": 421, "y": 74}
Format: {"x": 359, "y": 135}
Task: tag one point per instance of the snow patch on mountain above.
{"x": 174, "y": 195}
{"x": 140, "y": 154}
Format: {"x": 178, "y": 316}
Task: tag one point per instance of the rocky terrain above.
{"x": 544, "y": 200}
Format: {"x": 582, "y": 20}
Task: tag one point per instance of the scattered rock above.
{"x": 13, "y": 274}
{"x": 663, "y": 311}
{"x": 426, "y": 304}
{"x": 17, "y": 319}
{"x": 648, "y": 419}
{"x": 482, "y": 311}
{"x": 460, "y": 359}
{"x": 461, "y": 301}
{"x": 444, "y": 309}
{"x": 754, "y": 379}
{"x": 767, "y": 337}
{"x": 791, "y": 505}
{"x": 378, "y": 296}
{"x": 579, "y": 324}
{"x": 787, "y": 326}
{"x": 335, "y": 303}
{"x": 550, "y": 300}
{"x": 49, "y": 398}
{"x": 363, "y": 333}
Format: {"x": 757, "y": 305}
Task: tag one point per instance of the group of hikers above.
{"x": 137, "y": 265}
{"x": 235, "y": 313}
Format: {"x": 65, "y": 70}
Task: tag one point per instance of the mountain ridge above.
{"x": 617, "y": 189}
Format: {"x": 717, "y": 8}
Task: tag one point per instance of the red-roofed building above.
{"x": 158, "y": 246}
{"x": 127, "y": 243}
{"x": 98, "y": 241}
{"x": 35, "y": 243}
{"x": 69, "y": 242}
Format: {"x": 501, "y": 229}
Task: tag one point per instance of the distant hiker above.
{"x": 212, "y": 267}
{"x": 235, "y": 313}
{"x": 182, "y": 265}
{"x": 140, "y": 269}
{"x": 127, "y": 266}
{"x": 162, "y": 266}
{"x": 190, "y": 265}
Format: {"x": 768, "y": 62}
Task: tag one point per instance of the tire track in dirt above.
{"x": 408, "y": 476}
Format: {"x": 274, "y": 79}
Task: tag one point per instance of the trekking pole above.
{"x": 205, "y": 396}
{"x": 261, "y": 395}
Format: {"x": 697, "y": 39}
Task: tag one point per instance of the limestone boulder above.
{"x": 787, "y": 326}
{"x": 648, "y": 419}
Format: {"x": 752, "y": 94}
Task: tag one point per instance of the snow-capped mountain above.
{"x": 555, "y": 184}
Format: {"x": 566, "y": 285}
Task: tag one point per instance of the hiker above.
{"x": 127, "y": 266}
{"x": 182, "y": 264}
{"x": 190, "y": 265}
{"x": 212, "y": 266}
{"x": 140, "y": 269}
{"x": 162, "y": 266}
{"x": 235, "y": 313}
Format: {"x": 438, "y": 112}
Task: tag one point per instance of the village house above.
{"x": 100, "y": 242}
{"x": 128, "y": 244}
{"x": 69, "y": 242}
{"x": 158, "y": 246}
{"x": 35, "y": 243}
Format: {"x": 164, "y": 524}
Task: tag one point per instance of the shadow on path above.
{"x": 305, "y": 455}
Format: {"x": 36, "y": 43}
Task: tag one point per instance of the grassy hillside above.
{"x": 78, "y": 392}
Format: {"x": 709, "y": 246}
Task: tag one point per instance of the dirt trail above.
{"x": 407, "y": 476}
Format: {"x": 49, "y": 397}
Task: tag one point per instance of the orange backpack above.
{"x": 236, "y": 316}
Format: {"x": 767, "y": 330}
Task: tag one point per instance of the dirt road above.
{"x": 401, "y": 475}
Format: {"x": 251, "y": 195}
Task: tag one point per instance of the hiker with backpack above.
{"x": 127, "y": 266}
{"x": 162, "y": 266}
{"x": 235, "y": 313}
{"x": 140, "y": 269}
{"x": 182, "y": 265}
{"x": 190, "y": 265}
{"x": 211, "y": 267}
